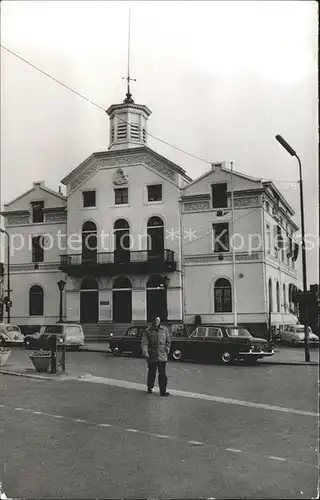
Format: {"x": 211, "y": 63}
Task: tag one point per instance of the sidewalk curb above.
{"x": 107, "y": 351}
{"x": 55, "y": 377}
{"x": 284, "y": 363}
{"x": 290, "y": 363}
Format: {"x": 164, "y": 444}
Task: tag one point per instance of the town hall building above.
{"x": 135, "y": 237}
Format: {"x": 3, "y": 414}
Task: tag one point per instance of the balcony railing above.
{"x": 111, "y": 263}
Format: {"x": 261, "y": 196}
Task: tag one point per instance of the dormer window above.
{"x": 134, "y": 131}
{"x": 37, "y": 211}
{"x": 144, "y": 135}
{"x": 122, "y": 131}
{"x": 112, "y": 134}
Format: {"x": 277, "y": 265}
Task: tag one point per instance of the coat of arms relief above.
{"x": 119, "y": 178}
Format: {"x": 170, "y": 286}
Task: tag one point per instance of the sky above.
{"x": 221, "y": 79}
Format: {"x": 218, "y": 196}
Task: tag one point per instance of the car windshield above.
{"x": 238, "y": 332}
{"x": 12, "y": 328}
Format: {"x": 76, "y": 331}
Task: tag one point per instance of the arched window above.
{"x": 278, "y": 296}
{"x": 155, "y": 232}
{"x": 121, "y": 224}
{"x": 122, "y": 282}
{"x": 89, "y": 227}
{"x": 36, "y": 301}
{"x": 155, "y": 222}
{"x": 89, "y": 242}
{"x": 89, "y": 284}
{"x": 222, "y": 296}
{"x": 270, "y": 295}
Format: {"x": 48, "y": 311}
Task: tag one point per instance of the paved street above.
{"x": 239, "y": 432}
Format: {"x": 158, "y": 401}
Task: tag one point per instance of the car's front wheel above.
{"x": 177, "y": 355}
{"x": 116, "y": 351}
{"x": 226, "y": 358}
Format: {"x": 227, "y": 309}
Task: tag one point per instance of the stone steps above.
{"x": 100, "y": 332}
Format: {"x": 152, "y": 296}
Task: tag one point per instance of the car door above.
{"x": 214, "y": 343}
{"x": 130, "y": 341}
{"x": 195, "y": 344}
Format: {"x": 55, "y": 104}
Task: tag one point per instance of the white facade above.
{"x": 256, "y": 260}
{"x": 114, "y": 191}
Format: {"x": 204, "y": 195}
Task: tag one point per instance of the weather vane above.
{"x": 128, "y": 99}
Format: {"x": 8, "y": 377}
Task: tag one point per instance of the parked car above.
{"x": 10, "y": 334}
{"x": 72, "y": 334}
{"x": 294, "y": 335}
{"x": 221, "y": 342}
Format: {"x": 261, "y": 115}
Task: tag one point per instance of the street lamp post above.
{"x": 61, "y": 285}
{"x": 8, "y": 302}
{"x": 292, "y": 152}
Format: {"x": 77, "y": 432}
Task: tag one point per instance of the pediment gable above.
{"x": 220, "y": 173}
{"x": 125, "y": 158}
{"x": 39, "y": 191}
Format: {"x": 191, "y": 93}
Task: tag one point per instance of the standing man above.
{"x": 155, "y": 346}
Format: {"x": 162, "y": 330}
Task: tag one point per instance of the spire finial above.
{"x": 128, "y": 99}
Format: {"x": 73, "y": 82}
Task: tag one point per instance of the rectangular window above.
{"x": 37, "y": 211}
{"x": 155, "y": 192}
{"x": 267, "y": 206}
{"x": 121, "y": 196}
{"x": 219, "y": 195}
{"x": 37, "y": 249}
{"x": 268, "y": 238}
{"x": 89, "y": 198}
{"x": 221, "y": 237}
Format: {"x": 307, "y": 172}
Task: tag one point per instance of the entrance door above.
{"x": 156, "y": 305}
{"x": 122, "y": 306}
{"x": 89, "y": 306}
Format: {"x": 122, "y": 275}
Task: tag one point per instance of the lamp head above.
{"x": 285, "y": 145}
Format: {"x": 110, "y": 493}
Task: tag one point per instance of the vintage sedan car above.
{"x": 10, "y": 334}
{"x": 223, "y": 343}
{"x": 71, "y": 334}
{"x": 294, "y": 335}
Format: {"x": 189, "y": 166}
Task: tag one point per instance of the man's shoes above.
{"x": 149, "y": 391}
{"x": 165, "y": 393}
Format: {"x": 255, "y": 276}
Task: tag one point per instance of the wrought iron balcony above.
{"x": 113, "y": 263}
